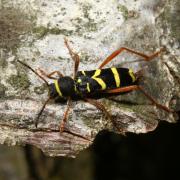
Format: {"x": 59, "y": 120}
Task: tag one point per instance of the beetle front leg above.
{"x": 50, "y": 75}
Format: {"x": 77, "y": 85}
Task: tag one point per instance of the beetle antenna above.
{"x": 33, "y": 71}
{"x": 40, "y": 113}
{"x": 42, "y": 109}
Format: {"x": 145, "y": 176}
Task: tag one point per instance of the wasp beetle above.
{"x": 88, "y": 84}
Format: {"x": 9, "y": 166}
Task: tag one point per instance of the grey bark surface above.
{"x": 33, "y": 32}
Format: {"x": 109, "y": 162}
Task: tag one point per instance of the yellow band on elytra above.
{"x": 57, "y": 88}
{"x": 88, "y": 88}
{"x": 116, "y": 76}
{"x": 83, "y": 73}
{"x": 99, "y": 80}
{"x": 132, "y": 75}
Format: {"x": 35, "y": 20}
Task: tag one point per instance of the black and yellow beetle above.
{"x": 88, "y": 84}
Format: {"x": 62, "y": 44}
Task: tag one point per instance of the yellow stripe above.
{"x": 132, "y": 75}
{"x": 88, "y": 87}
{"x": 99, "y": 80}
{"x": 83, "y": 73}
{"x": 116, "y": 76}
{"x": 75, "y": 88}
{"x": 79, "y": 80}
{"x": 57, "y": 88}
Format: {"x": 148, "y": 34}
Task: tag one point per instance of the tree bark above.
{"x": 41, "y": 46}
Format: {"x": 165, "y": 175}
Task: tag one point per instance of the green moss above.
{"x": 85, "y": 24}
{"x": 88, "y": 26}
{"x": 77, "y": 20}
{"x": 37, "y": 53}
{"x": 42, "y": 31}
{"x": 13, "y": 24}
{"x": 63, "y": 9}
{"x": 60, "y": 58}
{"x": 19, "y": 81}
{"x": 171, "y": 16}
{"x": 123, "y": 10}
{"x": 86, "y": 8}
{"x": 85, "y": 57}
{"x": 175, "y": 27}
{"x": 3, "y": 63}
{"x": 60, "y": 31}
{"x": 87, "y": 121}
{"x": 91, "y": 25}
{"x": 55, "y": 31}
{"x": 2, "y": 90}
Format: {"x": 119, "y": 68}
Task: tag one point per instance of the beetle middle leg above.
{"x": 97, "y": 104}
{"x": 65, "y": 116}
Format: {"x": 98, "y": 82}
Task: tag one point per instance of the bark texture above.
{"x": 33, "y": 32}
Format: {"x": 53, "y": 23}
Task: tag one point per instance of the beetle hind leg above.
{"x": 99, "y": 106}
{"x": 137, "y": 87}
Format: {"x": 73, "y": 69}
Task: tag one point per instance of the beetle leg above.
{"x": 50, "y": 75}
{"x": 122, "y": 89}
{"x": 118, "y": 51}
{"x": 137, "y": 87}
{"x": 64, "y": 120}
{"x": 99, "y": 106}
{"x": 74, "y": 56}
{"x": 154, "y": 101}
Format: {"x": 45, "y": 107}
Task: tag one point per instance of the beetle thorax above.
{"x": 62, "y": 87}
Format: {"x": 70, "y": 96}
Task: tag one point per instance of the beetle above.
{"x": 88, "y": 84}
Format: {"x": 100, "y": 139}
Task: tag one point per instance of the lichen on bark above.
{"x": 35, "y": 32}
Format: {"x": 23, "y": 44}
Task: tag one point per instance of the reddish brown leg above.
{"x": 122, "y": 89}
{"x": 99, "y": 106}
{"x": 74, "y": 56}
{"x": 50, "y": 76}
{"x": 154, "y": 101}
{"x": 64, "y": 120}
{"x": 118, "y": 51}
{"x": 136, "y": 87}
